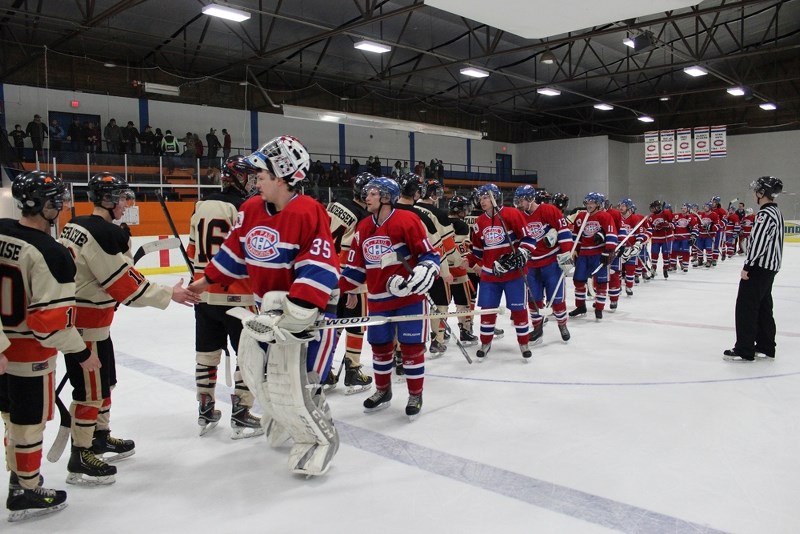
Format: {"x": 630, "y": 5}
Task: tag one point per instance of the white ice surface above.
{"x": 636, "y": 425}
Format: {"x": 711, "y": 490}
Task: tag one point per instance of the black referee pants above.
{"x": 755, "y": 325}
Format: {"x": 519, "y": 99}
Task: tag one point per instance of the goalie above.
{"x": 282, "y": 242}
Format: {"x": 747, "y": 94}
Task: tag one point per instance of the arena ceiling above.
{"x": 301, "y": 52}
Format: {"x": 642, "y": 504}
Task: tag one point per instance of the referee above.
{"x": 755, "y": 325}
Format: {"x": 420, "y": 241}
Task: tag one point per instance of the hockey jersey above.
{"x": 402, "y": 233}
{"x": 288, "y": 250}
{"x": 38, "y": 296}
{"x": 659, "y": 226}
{"x": 747, "y": 224}
{"x": 461, "y": 235}
{"x": 544, "y": 218}
{"x": 627, "y": 227}
{"x": 211, "y": 222}
{"x": 685, "y": 225}
{"x": 599, "y": 233}
{"x": 490, "y": 241}
{"x": 105, "y": 275}
{"x": 444, "y": 228}
{"x": 732, "y": 225}
{"x": 709, "y": 223}
{"x": 431, "y": 230}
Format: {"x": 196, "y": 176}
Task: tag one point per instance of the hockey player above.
{"x": 38, "y": 319}
{"x": 686, "y": 231}
{"x": 105, "y": 278}
{"x": 669, "y": 260}
{"x": 345, "y": 214}
{"x": 747, "y": 227}
{"x": 501, "y": 246}
{"x": 732, "y": 230}
{"x": 213, "y": 218}
{"x": 615, "y": 264}
{"x": 282, "y": 242}
{"x": 719, "y": 235}
{"x": 709, "y": 222}
{"x": 631, "y": 243}
{"x": 461, "y": 288}
{"x": 596, "y": 245}
{"x": 547, "y": 226}
{"x": 659, "y": 229}
{"x": 391, "y": 289}
{"x": 440, "y": 292}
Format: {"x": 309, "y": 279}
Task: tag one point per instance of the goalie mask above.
{"x": 284, "y": 157}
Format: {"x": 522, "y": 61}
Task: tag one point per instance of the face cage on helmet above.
{"x": 117, "y": 195}
{"x": 382, "y": 192}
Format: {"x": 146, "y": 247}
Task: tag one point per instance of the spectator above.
{"x": 189, "y": 149}
{"x": 430, "y": 171}
{"x": 19, "y": 136}
{"x": 75, "y": 136}
{"x": 113, "y": 136}
{"x": 397, "y": 170}
{"x": 198, "y": 146}
{"x": 335, "y": 176}
{"x": 159, "y": 138}
{"x": 148, "y": 141}
{"x": 130, "y": 136}
{"x": 37, "y": 132}
{"x": 91, "y": 133}
{"x": 405, "y": 170}
{"x": 213, "y": 144}
{"x": 56, "y": 136}
{"x": 226, "y": 144}
{"x": 376, "y": 167}
{"x": 440, "y": 171}
{"x": 169, "y": 147}
{"x": 419, "y": 170}
{"x": 355, "y": 167}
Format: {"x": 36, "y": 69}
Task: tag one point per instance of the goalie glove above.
{"x": 512, "y": 261}
{"x": 550, "y": 238}
{"x": 565, "y": 263}
{"x": 282, "y": 320}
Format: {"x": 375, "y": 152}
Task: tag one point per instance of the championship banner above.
{"x": 719, "y": 141}
{"x": 667, "y": 146}
{"x": 650, "y": 147}
{"x": 702, "y": 150}
{"x": 683, "y": 145}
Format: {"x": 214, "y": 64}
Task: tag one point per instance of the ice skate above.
{"x": 732, "y": 355}
{"x": 580, "y": 311}
{"x": 613, "y": 306}
{"x": 25, "y": 503}
{"x": 330, "y": 381}
{"x": 207, "y": 417}
{"x": 118, "y": 449}
{"x": 666, "y": 274}
{"x": 379, "y": 400}
{"x": 536, "y": 336}
{"x": 564, "y": 331}
{"x": 483, "y": 351}
{"x": 499, "y": 333}
{"x": 243, "y": 423}
{"x": 598, "y": 314}
{"x": 526, "y": 351}
{"x": 413, "y": 406}
{"x": 436, "y": 349}
{"x": 13, "y": 481}
{"x": 467, "y": 338}
{"x": 355, "y": 380}
{"x": 86, "y": 469}
{"x": 398, "y": 367}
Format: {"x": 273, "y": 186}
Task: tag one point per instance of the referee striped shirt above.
{"x": 766, "y": 240}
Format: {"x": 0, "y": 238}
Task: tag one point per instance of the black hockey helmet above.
{"x": 35, "y": 189}
{"x": 237, "y": 173}
{"x": 108, "y": 187}
{"x": 560, "y": 200}
{"x": 543, "y": 197}
{"x": 656, "y": 206}
{"x": 767, "y": 185}
{"x": 458, "y": 203}
{"x": 475, "y": 198}
{"x": 361, "y": 180}
{"x": 433, "y": 188}
{"x": 410, "y": 183}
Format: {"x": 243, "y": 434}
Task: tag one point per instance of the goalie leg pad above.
{"x": 299, "y": 406}
{"x": 253, "y": 364}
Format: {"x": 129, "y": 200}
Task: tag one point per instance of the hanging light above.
{"x": 371, "y": 46}
{"x": 548, "y": 91}
{"x": 225, "y": 12}
{"x": 548, "y": 58}
{"x": 474, "y": 72}
{"x": 603, "y": 106}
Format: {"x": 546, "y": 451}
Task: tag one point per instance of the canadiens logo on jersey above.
{"x": 535, "y": 230}
{"x": 706, "y": 220}
{"x": 591, "y": 228}
{"x": 260, "y": 243}
{"x": 493, "y": 235}
{"x": 659, "y": 221}
{"x": 682, "y": 223}
{"x": 376, "y": 247}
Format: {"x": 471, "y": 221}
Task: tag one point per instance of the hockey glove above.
{"x": 692, "y": 241}
{"x": 512, "y": 261}
{"x": 604, "y": 259}
{"x": 565, "y": 263}
{"x": 397, "y": 286}
{"x": 550, "y": 238}
{"x": 282, "y": 321}
{"x": 599, "y": 238}
{"x": 422, "y": 277}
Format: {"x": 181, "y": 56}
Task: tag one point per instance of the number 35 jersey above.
{"x": 211, "y": 222}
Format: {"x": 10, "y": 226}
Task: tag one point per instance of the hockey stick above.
{"x": 163, "y": 203}
{"x": 228, "y": 381}
{"x": 60, "y": 443}
{"x": 153, "y": 246}
{"x": 571, "y": 252}
{"x": 387, "y": 260}
{"x": 618, "y": 248}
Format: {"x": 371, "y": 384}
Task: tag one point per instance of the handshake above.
{"x": 512, "y": 261}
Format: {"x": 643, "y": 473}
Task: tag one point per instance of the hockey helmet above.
{"x": 667, "y": 206}
{"x": 34, "y": 189}
{"x": 433, "y": 188}
{"x": 597, "y": 198}
{"x": 106, "y": 187}
{"x": 748, "y": 211}
{"x": 767, "y": 185}
{"x": 627, "y": 202}
{"x": 458, "y": 203}
{"x": 237, "y": 173}
{"x": 361, "y": 180}
{"x": 410, "y": 184}
{"x": 386, "y": 187}
{"x": 560, "y": 200}
{"x": 542, "y": 196}
{"x": 656, "y": 206}
{"x": 285, "y": 157}
{"x": 490, "y": 189}
{"x": 524, "y": 192}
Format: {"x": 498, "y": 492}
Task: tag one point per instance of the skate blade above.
{"x": 204, "y": 429}
{"x": 242, "y": 433}
{"x": 435, "y": 355}
{"x": 412, "y": 418}
{"x": 116, "y": 457}
{"x": 469, "y": 343}
{"x": 79, "y": 479}
{"x": 538, "y": 341}
{"x": 378, "y": 408}
{"x": 22, "y": 515}
{"x": 352, "y": 390}
{"x": 328, "y": 387}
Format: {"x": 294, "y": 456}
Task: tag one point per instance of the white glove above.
{"x": 283, "y": 321}
{"x": 398, "y": 286}
{"x": 565, "y": 263}
{"x": 422, "y": 277}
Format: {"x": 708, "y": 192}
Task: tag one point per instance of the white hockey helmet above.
{"x": 284, "y": 156}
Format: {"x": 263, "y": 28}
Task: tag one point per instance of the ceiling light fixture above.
{"x": 768, "y": 106}
{"x": 645, "y": 118}
{"x": 629, "y": 42}
{"x": 109, "y": 64}
{"x": 640, "y": 43}
{"x": 548, "y": 58}
{"x": 474, "y": 72}
{"x": 227, "y": 13}
{"x": 736, "y": 91}
{"x": 695, "y": 71}
{"x": 548, "y": 91}
{"x": 603, "y": 106}
{"x": 161, "y": 89}
{"x": 371, "y": 46}
{"x": 664, "y": 99}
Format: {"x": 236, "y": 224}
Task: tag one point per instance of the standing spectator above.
{"x": 419, "y": 169}
{"x": 56, "y": 136}
{"x": 113, "y": 136}
{"x": 189, "y": 149}
{"x": 430, "y": 171}
{"x": 198, "y": 146}
{"x": 75, "y": 136}
{"x": 317, "y": 171}
{"x": 213, "y": 144}
{"x": 91, "y": 134}
{"x": 158, "y": 138}
{"x": 148, "y": 141}
{"x": 440, "y": 171}
{"x": 376, "y": 166}
{"x": 755, "y": 324}
{"x": 19, "y": 136}
{"x": 397, "y": 170}
{"x": 405, "y": 169}
{"x": 335, "y": 177}
{"x": 37, "y": 132}
{"x": 130, "y": 136}
{"x": 169, "y": 147}
{"x": 355, "y": 167}
{"x": 226, "y": 144}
